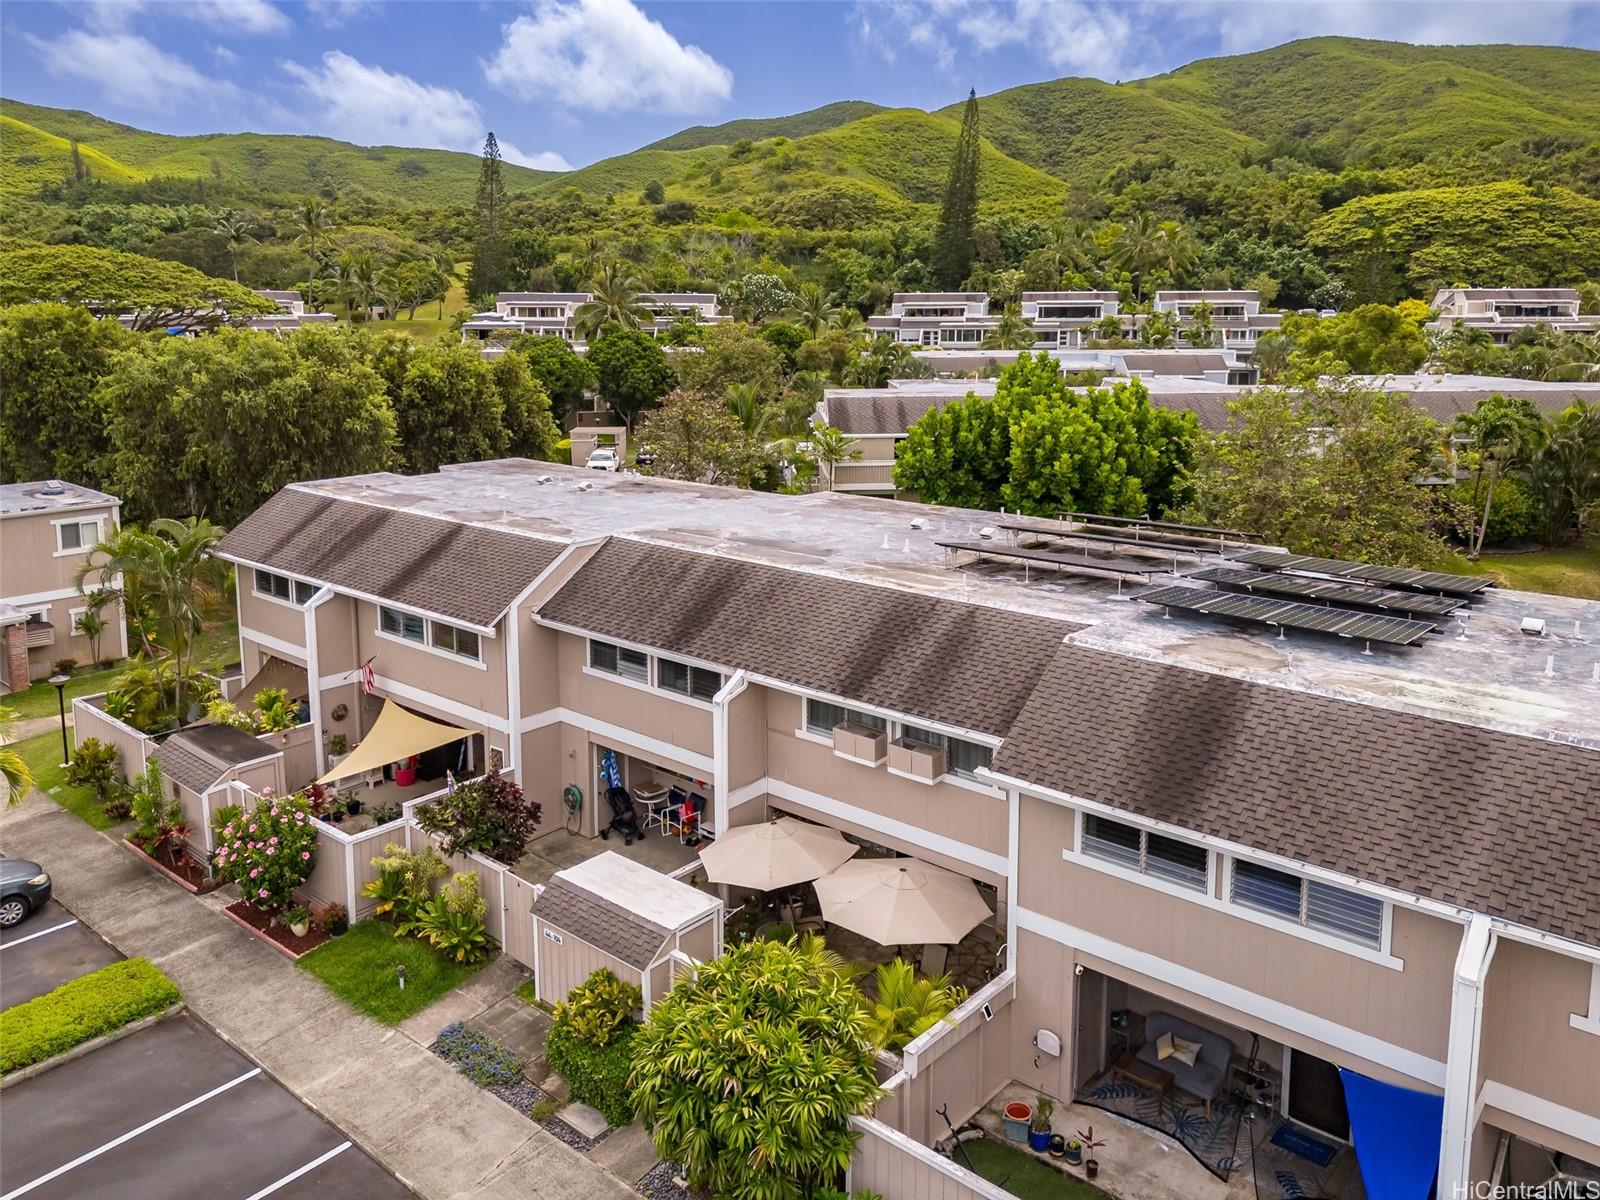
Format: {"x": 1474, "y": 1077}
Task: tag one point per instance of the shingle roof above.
{"x": 888, "y": 411}
{"x": 968, "y": 665}
{"x": 1501, "y": 823}
{"x": 198, "y": 757}
{"x": 439, "y": 566}
{"x": 1175, "y": 364}
{"x": 603, "y": 924}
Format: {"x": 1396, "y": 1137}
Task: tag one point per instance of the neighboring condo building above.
{"x": 554, "y": 314}
{"x": 47, "y": 530}
{"x": 934, "y": 320}
{"x": 291, "y": 314}
{"x": 1236, "y": 317}
{"x": 1325, "y": 859}
{"x": 1068, "y": 320}
{"x": 1502, "y": 313}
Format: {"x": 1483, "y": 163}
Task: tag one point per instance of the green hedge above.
{"x": 597, "y": 1075}
{"x": 89, "y": 1006}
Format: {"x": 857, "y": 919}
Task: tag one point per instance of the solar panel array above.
{"x": 1287, "y": 614}
{"x": 1147, "y": 523}
{"x": 1057, "y": 558}
{"x": 1168, "y": 545}
{"x": 1401, "y": 577}
{"x": 1332, "y": 591}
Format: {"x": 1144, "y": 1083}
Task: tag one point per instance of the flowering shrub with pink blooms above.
{"x": 268, "y": 851}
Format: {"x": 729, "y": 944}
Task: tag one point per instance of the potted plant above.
{"x": 1039, "y": 1127}
{"x": 333, "y": 920}
{"x": 405, "y": 772}
{"x": 1091, "y": 1165}
{"x": 298, "y": 919}
{"x": 338, "y": 748}
{"x": 1016, "y": 1117}
{"x": 353, "y": 807}
{"x": 1073, "y": 1152}
{"x": 1058, "y": 1145}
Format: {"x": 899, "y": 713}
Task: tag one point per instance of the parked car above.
{"x": 602, "y": 459}
{"x": 24, "y": 888}
{"x": 645, "y": 457}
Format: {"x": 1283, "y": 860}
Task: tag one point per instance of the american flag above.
{"x": 368, "y": 679}
{"x": 449, "y": 782}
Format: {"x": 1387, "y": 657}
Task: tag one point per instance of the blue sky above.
{"x": 567, "y": 82}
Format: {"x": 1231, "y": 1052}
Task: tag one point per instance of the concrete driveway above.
{"x": 49, "y": 948}
{"x": 174, "y": 1112}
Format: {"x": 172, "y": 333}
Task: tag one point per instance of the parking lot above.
{"x": 169, "y": 1113}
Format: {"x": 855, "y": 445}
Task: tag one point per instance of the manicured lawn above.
{"x": 358, "y": 967}
{"x": 1019, "y": 1173}
{"x": 42, "y": 753}
{"x": 1569, "y": 571}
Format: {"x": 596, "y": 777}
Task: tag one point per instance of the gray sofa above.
{"x": 1203, "y": 1080}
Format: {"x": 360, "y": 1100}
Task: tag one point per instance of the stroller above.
{"x": 623, "y": 819}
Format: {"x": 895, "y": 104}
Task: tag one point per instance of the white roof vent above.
{"x": 919, "y": 522}
{"x": 545, "y": 479}
{"x": 585, "y": 486}
{"x": 1533, "y": 626}
{"x": 987, "y": 532}
{"x": 53, "y": 487}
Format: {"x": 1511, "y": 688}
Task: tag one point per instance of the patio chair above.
{"x": 934, "y": 957}
{"x": 623, "y": 818}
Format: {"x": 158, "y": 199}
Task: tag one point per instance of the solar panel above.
{"x": 1129, "y": 539}
{"x": 1147, "y": 523}
{"x": 1058, "y": 559}
{"x": 1287, "y": 614}
{"x": 1404, "y": 577}
{"x": 1331, "y": 591}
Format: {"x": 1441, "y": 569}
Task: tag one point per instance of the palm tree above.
{"x": 357, "y": 279}
{"x": 614, "y": 300}
{"x": 1505, "y": 432}
{"x": 1564, "y": 471}
{"x": 811, "y": 310}
{"x": 1176, "y": 250}
{"x": 830, "y": 447}
{"x": 446, "y": 273}
{"x": 1011, "y": 332}
{"x": 906, "y": 1007}
{"x": 849, "y": 320}
{"x": 239, "y": 231}
{"x": 13, "y": 767}
{"x": 1136, "y": 249}
{"x": 314, "y": 224}
{"x": 124, "y": 553}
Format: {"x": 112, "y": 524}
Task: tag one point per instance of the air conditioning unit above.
{"x": 1533, "y": 626}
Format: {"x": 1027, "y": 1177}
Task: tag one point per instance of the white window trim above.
{"x": 99, "y": 534}
{"x": 639, "y": 685}
{"x": 427, "y": 646}
{"x": 914, "y": 778}
{"x": 268, "y": 596}
{"x": 1589, "y": 1022}
{"x": 1219, "y": 865}
{"x": 655, "y": 678}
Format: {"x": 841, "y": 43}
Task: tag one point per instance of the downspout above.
{"x": 313, "y": 675}
{"x": 721, "y": 767}
{"x": 1461, "y": 1055}
{"x": 513, "y": 656}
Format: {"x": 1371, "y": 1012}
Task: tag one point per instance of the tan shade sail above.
{"x": 395, "y": 735}
{"x": 775, "y": 854}
{"x": 901, "y": 901}
{"x": 276, "y": 673}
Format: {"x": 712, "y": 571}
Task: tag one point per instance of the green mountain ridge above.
{"x": 813, "y": 120}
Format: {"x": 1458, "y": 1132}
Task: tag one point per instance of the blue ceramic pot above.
{"x": 1039, "y": 1139}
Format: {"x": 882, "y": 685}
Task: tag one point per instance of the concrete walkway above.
{"x": 409, "y": 1109}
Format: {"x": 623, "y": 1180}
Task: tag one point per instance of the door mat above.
{"x": 1297, "y": 1141}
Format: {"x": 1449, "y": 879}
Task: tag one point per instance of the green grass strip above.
{"x": 88, "y": 1007}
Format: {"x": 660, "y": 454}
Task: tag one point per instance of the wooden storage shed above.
{"x": 615, "y": 913}
{"x": 202, "y": 759}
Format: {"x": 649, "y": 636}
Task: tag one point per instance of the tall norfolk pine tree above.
{"x": 953, "y": 245}
{"x": 488, "y": 275}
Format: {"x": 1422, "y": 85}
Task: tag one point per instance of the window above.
{"x": 1145, "y": 852}
{"x": 281, "y": 587}
{"x": 922, "y": 737}
{"x": 77, "y": 535}
{"x": 401, "y": 624}
{"x": 1309, "y": 903}
{"x": 964, "y": 758}
{"x": 454, "y": 640}
{"x": 821, "y": 717}
{"x": 697, "y": 682}
{"x": 620, "y": 661}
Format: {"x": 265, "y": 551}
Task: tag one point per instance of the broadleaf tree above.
{"x": 631, "y": 371}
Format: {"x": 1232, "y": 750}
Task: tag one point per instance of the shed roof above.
{"x": 604, "y": 924}
{"x": 198, "y": 757}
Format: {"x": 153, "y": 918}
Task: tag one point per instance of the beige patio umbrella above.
{"x": 901, "y": 901}
{"x": 775, "y": 854}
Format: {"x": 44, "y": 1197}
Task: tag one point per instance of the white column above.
{"x": 314, "y": 676}
{"x": 721, "y": 767}
{"x": 1461, "y": 1061}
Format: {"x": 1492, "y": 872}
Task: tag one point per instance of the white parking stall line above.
{"x": 91, "y": 1155}
{"x": 41, "y": 933}
{"x": 295, "y": 1174}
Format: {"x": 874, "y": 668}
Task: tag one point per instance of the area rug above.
{"x": 1298, "y": 1142}
{"x": 1213, "y": 1139}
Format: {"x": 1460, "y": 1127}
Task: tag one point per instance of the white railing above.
{"x": 994, "y": 995}
{"x": 90, "y": 720}
{"x": 897, "y": 1167}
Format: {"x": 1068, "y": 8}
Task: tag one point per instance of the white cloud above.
{"x": 545, "y": 160}
{"x": 371, "y": 106}
{"x": 1131, "y": 40}
{"x": 224, "y": 56}
{"x": 336, "y": 13}
{"x": 128, "y": 67}
{"x": 604, "y": 56}
{"x": 230, "y": 16}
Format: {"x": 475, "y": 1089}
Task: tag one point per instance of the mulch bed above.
{"x": 187, "y": 873}
{"x": 659, "y": 1184}
{"x": 264, "y": 926}
{"x": 523, "y": 1095}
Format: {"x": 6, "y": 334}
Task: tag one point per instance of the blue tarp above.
{"x": 1396, "y": 1136}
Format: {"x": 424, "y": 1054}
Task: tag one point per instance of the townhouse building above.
{"x": 937, "y": 320}
{"x": 1502, "y": 313}
{"x": 47, "y": 530}
{"x": 1236, "y": 318}
{"x": 554, "y": 314}
{"x": 1068, "y": 320}
{"x": 1349, "y": 863}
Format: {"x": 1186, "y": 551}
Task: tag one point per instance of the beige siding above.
{"x": 1408, "y": 1007}
{"x": 965, "y": 1067}
{"x": 518, "y": 940}
{"x": 299, "y": 747}
{"x": 954, "y": 812}
{"x": 28, "y": 551}
{"x": 366, "y": 846}
{"x": 329, "y": 881}
{"x": 274, "y": 618}
{"x": 747, "y": 737}
{"x": 560, "y": 968}
{"x": 1528, "y": 1039}
{"x": 133, "y": 747}
{"x": 700, "y": 942}
{"x": 898, "y": 1169}
{"x": 650, "y": 714}
{"x": 434, "y": 673}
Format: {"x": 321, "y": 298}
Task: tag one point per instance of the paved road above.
{"x": 49, "y": 948}
{"x": 170, "y": 1113}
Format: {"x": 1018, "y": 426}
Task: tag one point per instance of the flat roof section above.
{"x": 49, "y": 495}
